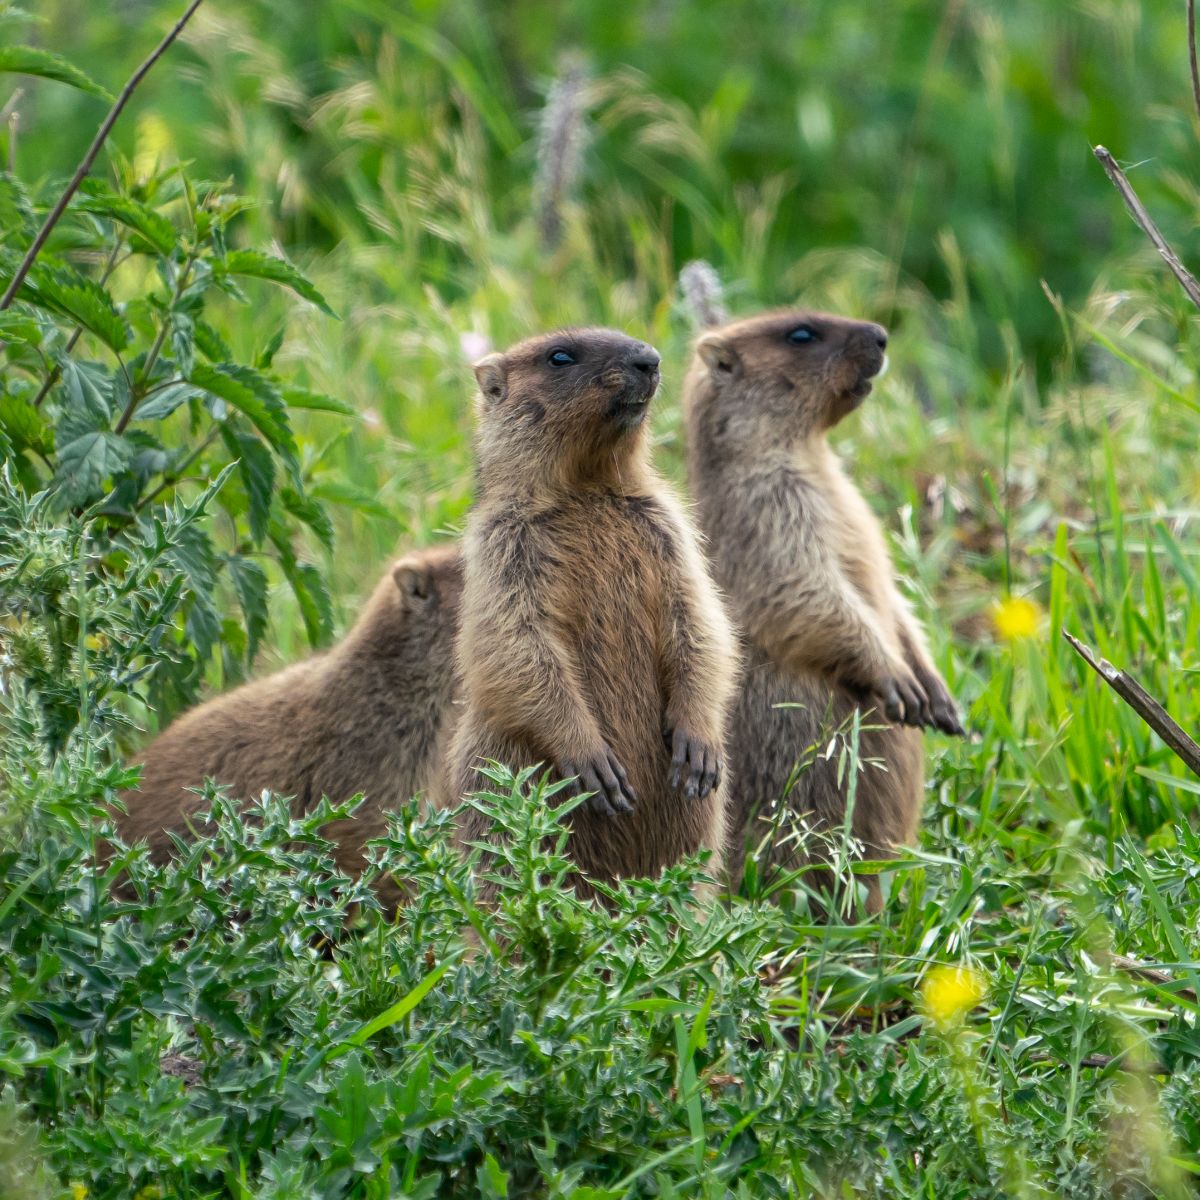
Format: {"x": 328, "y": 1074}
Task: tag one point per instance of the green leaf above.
{"x": 101, "y": 201}
{"x": 257, "y": 470}
{"x": 397, "y": 1012}
{"x": 87, "y": 402}
{"x": 16, "y": 210}
{"x": 164, "y": 400}
{"x": 254, "y": 265}
{"x": 85, "y": 463}
{"x": 250, "y": 584}
{"x": 302, "y": 398}
{"x": 211, "y": 344}
{"x": 311, "y": 512}
{"x": 193, "y": 555}
{"x": 28, "y": 60}
{"x": 311, "y": 594}
{"x": 25, "y": 427}
{"x": 254, "y": 395}
{"x": 62, "y": 290}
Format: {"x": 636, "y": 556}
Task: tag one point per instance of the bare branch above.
{"x": 1142, "y": 217}
{"x": 1191, "y": 29}
{"x": 90, "y": 157}
{"x": 1142, "y": 703}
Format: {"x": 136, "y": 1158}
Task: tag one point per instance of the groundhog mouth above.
{"x": 632, "y": 396}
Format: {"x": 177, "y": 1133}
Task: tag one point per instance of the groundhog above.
{"x": 368, "y": 715}
{"x": 592, "y": 638}
{"x": 804, "y": 566}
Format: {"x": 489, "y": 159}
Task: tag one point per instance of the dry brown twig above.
{"x": 1137, "y": 210}
{"x": 93, "y": 150}
{"x": 1142, "y": 703}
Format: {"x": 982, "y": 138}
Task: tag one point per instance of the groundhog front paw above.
{"x": 601, "y": 774}
{"x": 902, "y": 699}
{"x": 943, "y": 711}
{"x": 695, "y": 764}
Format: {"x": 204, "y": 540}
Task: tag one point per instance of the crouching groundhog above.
{"x": 804, "y": 565}
{"x": 367, "y": 716}
{"x": 592, "y": 639}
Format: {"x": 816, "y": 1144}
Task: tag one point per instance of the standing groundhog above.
{"x": 366, "y": 716}
{"x": 809, "y": 581}
{"x": 592, "y": 639}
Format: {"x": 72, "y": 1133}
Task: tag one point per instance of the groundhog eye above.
{"x": 802, "y": 334}
{"x": 560, "y": 358}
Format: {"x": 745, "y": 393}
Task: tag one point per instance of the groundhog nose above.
{"x": 645, "y": 360}
{"x": 881, "y": 336}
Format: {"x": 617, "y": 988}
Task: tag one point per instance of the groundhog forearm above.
{"x": 828, "y": 629}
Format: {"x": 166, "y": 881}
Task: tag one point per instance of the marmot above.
{"x": 368, "y": 715}
{"x": 592, "y": 639}
{"x": 803, "y": 563}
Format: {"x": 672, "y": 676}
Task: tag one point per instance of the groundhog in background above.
{"x": 592, "y": 638}
{"x": 367, "y": 716}
{"x": 804, "y": 566}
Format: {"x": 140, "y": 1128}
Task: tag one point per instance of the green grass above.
{"x": 925, "y": 165}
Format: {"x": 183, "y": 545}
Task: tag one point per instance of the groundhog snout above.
{"x": 867, "y": 348}
{"x": 636, "y": 372}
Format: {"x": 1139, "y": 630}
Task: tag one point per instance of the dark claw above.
{"x": 695, "y": 766}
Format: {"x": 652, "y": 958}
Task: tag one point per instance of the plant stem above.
{"x": 152, "y": 356}
{"x": 174, "y": 476}
{"x": 85, "y": 164}
{"x": 1191, "y": 36}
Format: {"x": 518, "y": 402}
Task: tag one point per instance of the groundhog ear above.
{"x": 492, "y": 377}
{"x": 413, "y": 582}
{"x": 719, "y": 356}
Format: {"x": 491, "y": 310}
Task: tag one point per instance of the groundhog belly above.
{"x": 782, "y": 719}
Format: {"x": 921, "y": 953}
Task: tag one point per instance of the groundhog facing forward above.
{"x": 592, "y": 639}
{"x": 804, "y": 565}
{"x": 367, "y": 716}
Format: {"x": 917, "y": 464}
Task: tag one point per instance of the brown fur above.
{"x": 367, "y": 715}
{"x": 592, "y": 638}
{"x": 806, "y": 569}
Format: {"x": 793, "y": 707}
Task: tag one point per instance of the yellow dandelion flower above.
{"x": 79, "y": 1191}
{"x": 949, "y": 992}
{"x": 1015, "y": 618}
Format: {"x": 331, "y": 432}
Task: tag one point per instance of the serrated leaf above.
{"x": 266, "y": 356}
{"x": 250, "y": 585}
{"x": 62, "y": 290}
{"x": 25, "y": 427}
{"x": 28, "y": 60}
{"x": 193, "y": 555}
{"x": 87, "y": 400}
{"x": 17, "y": 326}
{"x": 309, "y": 589}
{"x": 255, "y": 265}
{"x": 103, "y": 202}
{"x": 257, "y": 470}
{"x": 164, "y": 400}
{"x": 254, "y": 395}
{"x": 211, "y": 344}
{"x": 16, "y": 210}
{"x": 296, "y": 397}
{"x": 85, "y": 463}
{"x": 311, "y": 512}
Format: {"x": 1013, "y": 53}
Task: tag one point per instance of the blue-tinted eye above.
{"x": 802, "y": 334}
{"x": 560, "y": 358}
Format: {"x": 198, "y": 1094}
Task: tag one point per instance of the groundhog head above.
{"x": 565, "y": 398}
{"x": 788, "y": 373}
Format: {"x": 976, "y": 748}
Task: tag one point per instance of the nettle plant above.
{"x": 119, "y": 396}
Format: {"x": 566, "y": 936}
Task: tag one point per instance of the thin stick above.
{"x": 1143, "y": 704}
{"x": 1142, "y": 217}
{"x": 90, "y": 157}
{"x": 1191, "y": 27}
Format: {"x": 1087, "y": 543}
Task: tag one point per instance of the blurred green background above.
{"x": 924, "y": 164}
